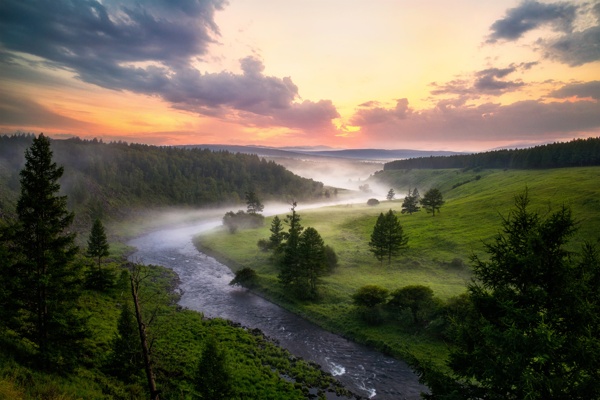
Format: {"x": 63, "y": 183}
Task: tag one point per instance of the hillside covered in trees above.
{"x": 107, "y": 177}
{"x": 576, "y": 153}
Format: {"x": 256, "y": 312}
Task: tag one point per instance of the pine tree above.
{"x": 313, "y": 262}
{"x": 411, "y": 202}
{"x": 276, "y": 237}
{"x": 97, "y": 242}
{"x": 290, "y": 262}
{"x": 388, "y": 238}
{"x": 533, "y": 330}
{"x": 213, "y": 380}
{"x": 125, "y": 360}
{"x": 48, "y": 284}
{"x": 254, "y": 206}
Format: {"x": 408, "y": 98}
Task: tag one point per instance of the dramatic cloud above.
{"x": 526, "y": 120}
{"x": 490, "y": 81}
{"x": 18, "y": 111}
{"x": 580, "y": 90}
{"x": 531, "y": 15}
{"x": 572, "y": 46}
{"x": 150, "y": 48}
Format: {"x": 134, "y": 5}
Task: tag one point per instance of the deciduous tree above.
{"x": 432, "y": 200}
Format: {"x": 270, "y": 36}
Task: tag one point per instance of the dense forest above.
{"x": 576, "y": 153}
{"x": 107, "y": 177}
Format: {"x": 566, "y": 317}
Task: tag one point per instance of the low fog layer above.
{"x": 336, "y": 172}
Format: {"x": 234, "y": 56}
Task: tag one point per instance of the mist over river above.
{"x": 205, "y": 285}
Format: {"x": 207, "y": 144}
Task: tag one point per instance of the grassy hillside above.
{"x": 259, "y": 368}
{"x": 440, "y": 246}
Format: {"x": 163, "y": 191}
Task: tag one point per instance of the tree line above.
{"x": 103, "y": 177}
{"x": 576, "y": 153}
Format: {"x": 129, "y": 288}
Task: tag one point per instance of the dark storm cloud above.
{"x": 149, "y": 48}
{"x": 572, "y": 47}
{"x": 581, "y": 90}
{"x": 530, "y": 15}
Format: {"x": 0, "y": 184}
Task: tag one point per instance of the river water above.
{"x": 205, "y": 285}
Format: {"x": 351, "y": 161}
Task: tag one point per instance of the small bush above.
{"x": 372, "y": 202}
{"x": 245, "y": 277}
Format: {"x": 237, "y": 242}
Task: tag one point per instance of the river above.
{"x": 205, "y": 286}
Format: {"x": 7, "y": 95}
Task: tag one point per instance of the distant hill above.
{"x": 112, "y": 177}
{"x": 303, "y": 152}
{"x": 576, "y": 153}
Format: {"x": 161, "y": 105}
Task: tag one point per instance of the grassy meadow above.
{"x": 439, "y": 247}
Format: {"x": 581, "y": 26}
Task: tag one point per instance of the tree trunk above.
{"x": 144, "y": 342}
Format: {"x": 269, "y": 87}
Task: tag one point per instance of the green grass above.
{"x": 440, "y": 246}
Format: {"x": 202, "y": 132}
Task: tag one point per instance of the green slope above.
{"x": 440, "y": 246}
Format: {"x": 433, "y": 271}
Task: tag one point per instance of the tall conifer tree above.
{"x": 97, "y": 242}
{"x": 47, "y": 281}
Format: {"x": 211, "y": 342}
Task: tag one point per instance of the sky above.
{"x": 462, "y": 75}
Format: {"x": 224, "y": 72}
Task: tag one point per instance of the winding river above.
{"x": 205, "y": 285}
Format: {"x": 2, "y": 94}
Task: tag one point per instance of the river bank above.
{"x": 205, "y": 288}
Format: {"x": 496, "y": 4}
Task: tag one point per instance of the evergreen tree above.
{"x": 391, "y": 194}
{"x": 47, "y": 280}
{"x": 97, "y": 242}
{"x": 277, "y": 234}
{"x": 254, "y": 206}
{"x": 290, "y": 263}
{"x": 313, "y": 261}
{"x": 411, "y": 202}
{"x": 126, "y": 358}
{"x": 533, "y": 331}
{"x": 432, "y": 201}
{"x": 388, "y": 238}
{"x": 213, "y": 380}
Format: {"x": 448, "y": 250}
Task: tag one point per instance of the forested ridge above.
{"x": 104, "y": 177}
{"x": 576, "y": 153}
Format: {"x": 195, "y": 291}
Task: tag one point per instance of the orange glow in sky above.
{"x": 467, "y": 75}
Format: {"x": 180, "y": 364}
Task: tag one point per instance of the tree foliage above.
{"x": 103, "y": 178}
{"x": 390, "y": 194}
{"x": 254, "y": 206}
{"x": 98, "y": 246}
{"x": 388, "y": 238}
{"x": 432, "y": 200}
{"x": 213, "y": 380}
{"x": 304, "y": 258}
{"x": 45, "y": 280}
{"x": 533, "y": 330}
{"x": 242, "y": 220}
{"x": 411, "y": 202}
{"x": 576, "y": 153}
{"x": 416, "y": 298}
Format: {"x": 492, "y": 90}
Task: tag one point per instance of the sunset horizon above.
{"x": 347, "y": 75}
